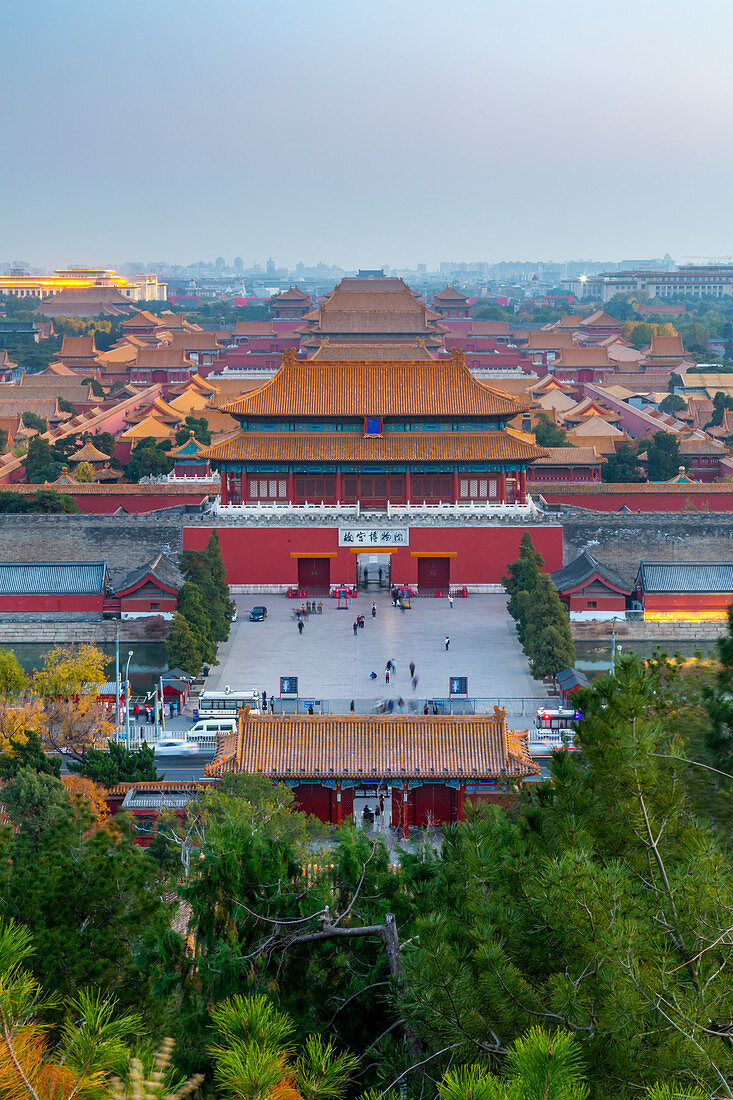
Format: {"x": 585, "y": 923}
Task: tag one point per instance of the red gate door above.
{"x": 314, "y": 575}
{"x": 433, "y": 573}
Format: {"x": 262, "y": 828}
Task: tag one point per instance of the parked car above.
{"x": 257, "y": 614}
{"x": 234, "y": 615}
{"x": 175, "y": 746}
{"x": 209, "y": 727}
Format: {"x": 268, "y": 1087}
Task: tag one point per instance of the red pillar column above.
{"x": 461, "y": 796}
{"x": 291, "y": 488}
{"x": 405, "y": 811}
{"x": 339, "y": 498}
{"x": 455, "y": 486}
{"x": 502, "y": 487}
{"x": 224, "y": 487}
{"x": 339, "y": 807}
{"x": 523, "y": 487}
{"x": 408, "y": 485}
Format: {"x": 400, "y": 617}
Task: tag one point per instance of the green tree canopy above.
{"x": 192, "y": 607}
{"x": 603, "y": 898}
{"x": 41, "y": 462}
{"x": 27, "y": 755}
{"x": 622, "y": 467}
{"x": 148, "y": 458}
{"x": 673, "y": 403}
{"x": 181, "y": 647}
{"x": 663, "y": 457}
{"x": 206, "y": 569}
{"x": 549, "y": 434}
{"x": 88, "y": 895}
{"x": 198, "y": 425}
{"x": 13, "y": 679}
{"x": 117, "y": 764}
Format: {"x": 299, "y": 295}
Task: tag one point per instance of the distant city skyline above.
{"x": 370, "y": 134}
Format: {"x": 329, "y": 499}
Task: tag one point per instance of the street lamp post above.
{"x": 127, "y": 697}
{"x": 117, "y": 677}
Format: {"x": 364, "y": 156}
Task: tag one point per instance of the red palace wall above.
{"x": 44, "y": 604}
{"x": 269, "y": 555}
{"x": 687, "y": 601}
{"x": 600, "y": 603}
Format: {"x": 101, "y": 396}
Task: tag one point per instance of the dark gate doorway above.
{"x": 433, "y": 574}
{"x": 314, "y": 575}
{"x": 373, "y": 571}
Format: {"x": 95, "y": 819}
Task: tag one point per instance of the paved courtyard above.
{"x": 331, "y": 663}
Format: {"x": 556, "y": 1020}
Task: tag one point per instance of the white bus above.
{"x": 226, "y": 703}
{"x": 553, "y": 730}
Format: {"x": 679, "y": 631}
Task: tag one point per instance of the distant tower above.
{"x": 238, "y": 263}
{"x": 453, "y": 308}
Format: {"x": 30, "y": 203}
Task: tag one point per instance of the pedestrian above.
{"x": 320, "y": 607}
{"x": 447, "y": 642}
{"x": 372, "y": 675}
{"x": 137, "y": 710}
{"x": 300, "y": 628}
{"x": 394, "y": 667}
{"x": 362, "y": 621}
{"x": 386, "y": 675}
{"x": 356, "y": 627}
{"x": 388, "y": 666}
{"x": 374, "y": 611}
{"x": 435, "y": 708}
{"x": 272, "y": 704}
{"x": 310, "y": 708}
{"x": 426, "y": 709}
{"x": 390, "y": 705}
{"x": 412, "y": 668}
{"x": 351, "y": 706}
{"x": 264, "y": 700}
{"x": 414, "y": 683}
{"x": 450, "y": 601}
{"x": 401, "y": 703}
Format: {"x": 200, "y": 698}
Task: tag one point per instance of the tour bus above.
{"x": 553, "y": 730}
{"x": 226, "y": 703}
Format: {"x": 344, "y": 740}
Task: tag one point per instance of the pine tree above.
{"x": 181, "y": 648}
{"x": 191, "y": 606}
{"x": 206, "y": 569}
{"x": 719, "y": 703}
{"x": 522, "y": 573}
{"x": 602, "y": 901}
{"x": 546, "y": 635}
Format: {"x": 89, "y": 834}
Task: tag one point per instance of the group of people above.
{"x": 302, "y": 614}
{"x": 358, "y": 624}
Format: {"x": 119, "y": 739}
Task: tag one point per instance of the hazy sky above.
{"x": 364, "y": 132}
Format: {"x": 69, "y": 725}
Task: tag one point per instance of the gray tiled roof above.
{"x": 52, "y": 577}
{"x": 581, "y": 569}
{"x": 161, "y": 567}
{"x": 658, "y": 576}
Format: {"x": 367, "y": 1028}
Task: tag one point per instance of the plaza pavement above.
{"x": 331, "y": 663}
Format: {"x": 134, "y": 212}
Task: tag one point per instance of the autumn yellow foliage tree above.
{"x": 84, "y": 472}
{"x": 79, "y": 787}
{"x": 69, "y": 684}
{"x": 71, "y": 671}
{"x": 17, "y": 718}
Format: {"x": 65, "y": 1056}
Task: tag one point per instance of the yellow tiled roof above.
{"x": 390, "y": 447}
{"x": 429, "y": 747}
{"x": 403, "y": 388}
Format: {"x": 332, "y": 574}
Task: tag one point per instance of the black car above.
{"x": 257, "y": 614}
